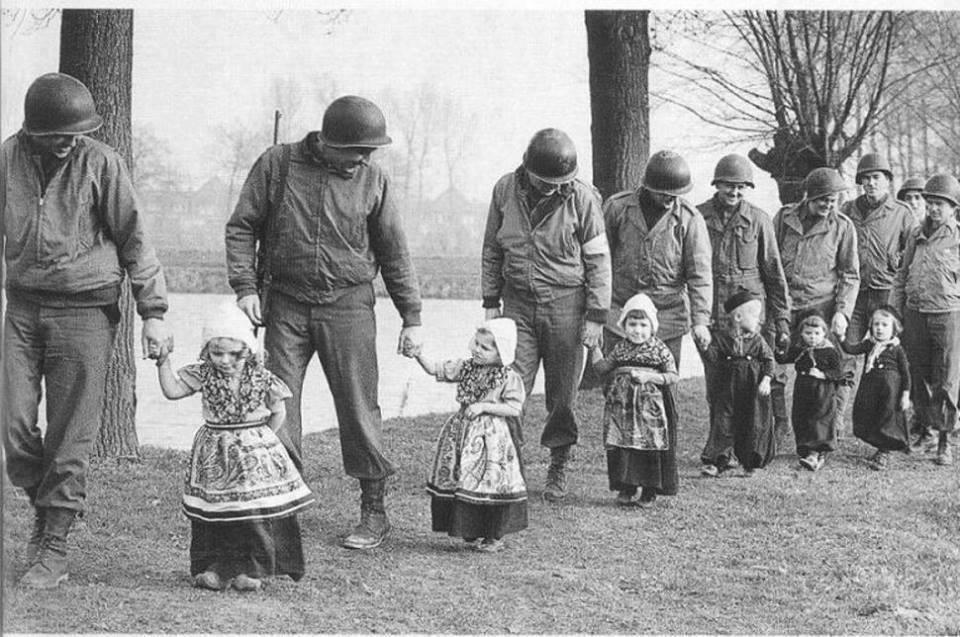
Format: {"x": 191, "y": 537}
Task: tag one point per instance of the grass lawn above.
{"x": 845, "y": 550}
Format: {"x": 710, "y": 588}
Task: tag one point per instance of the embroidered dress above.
{"x": 741, "y": 421}
{"x": 242, "y": 491}
{"x": 476, "y": 483}
{"x": 639, "y": 420}
{"x": 877, "y": 419}
{"x": 814, "y": 401}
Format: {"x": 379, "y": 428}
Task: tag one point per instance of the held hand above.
{"x": 641, "y": 376}
{"x": 783, "y": 338}
{"x": 474, "y": 410}
{"x": 816, "y": 373}
{"x": 410, "y": 342}
{"x": 839, "y": 325}
{"x": 764, "y": 388}
{"x": 905, "y": 403}
{"x": 592, "y": 335}
{"x": 701, "y": 336}
{"x": 155, "y": 338}
{"x": 250, "y": 305}
{"x": 491, "y": 313}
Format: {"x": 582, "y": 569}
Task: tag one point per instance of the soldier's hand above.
{"x": 764, "y": 388}
{"x": 592, "y": 334}
{"x": 250, "y": 305}
{"x": 155, "y": 338}
{"x": 839, "y": 325}
{"x": 410, "y": 342}
{"x": 701, "y": 336}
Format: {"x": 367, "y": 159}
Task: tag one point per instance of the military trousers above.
{"x": 63, "y": 351}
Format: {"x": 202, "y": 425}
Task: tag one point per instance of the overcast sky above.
{"x": 518, "y": 71}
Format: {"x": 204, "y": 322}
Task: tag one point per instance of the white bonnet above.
{"x": 228, "y": 321}
{"x": 643, "y": 303}
{"x": 504, "y": 332}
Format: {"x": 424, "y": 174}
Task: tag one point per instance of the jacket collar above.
{"x": 791, "y": 217}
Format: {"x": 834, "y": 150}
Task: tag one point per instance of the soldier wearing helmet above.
{"x": 745, "y": 257}
{"x": 660, "y": 246}
{"x": 70, "y": 230}
{"x": 818, "y": 247}
{"x": 926, "y": 291}
{"x": 545, "y": 259}
{"x": 883, "y": 225}
{"x": 315, "y": 222}
{"x": 911, "y": 193}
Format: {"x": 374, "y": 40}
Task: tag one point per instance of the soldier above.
{"x": 883, "y": 225}
{"x": 745, "y": 258}
{"x": 818, "y": 247}
{"x": 545, "y": 257}
{"x": 326, "y": 223}
{"x": 911, "y": 193}
{"x": 660, "y": 246}
{"x": 926, "y": 291}
{"x": 71, "y": 229}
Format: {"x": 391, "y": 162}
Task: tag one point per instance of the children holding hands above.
{"x": 242, "y": 491}
{"x": 476, "y": 483}
{"x": 741, "y": 420}
{"x": 639, "y": 414}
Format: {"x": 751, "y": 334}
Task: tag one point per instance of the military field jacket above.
{"x": 881, "y": 237}
{"x": 745, "y": 255}
{"x": 821, "y": 265}
{"x": 71, "y": 242}
{"x": 929, "y": 279}
{"x": 669, "y": 262}
{"x": 327, "y": 234}
{"x": 565, "y": 252}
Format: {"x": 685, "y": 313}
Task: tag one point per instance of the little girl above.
{"x": 639, "y": 415}
{"x": 819, "y": 372}
{"x": 476, "y": 484}
{"x": 242, "y": 491}
{"x": 879, "y": 410}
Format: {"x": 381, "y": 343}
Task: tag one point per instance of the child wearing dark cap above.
{"x": 741, "y": 421}
{"x": 883, "y": 397}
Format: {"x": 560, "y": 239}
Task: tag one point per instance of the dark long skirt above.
{"x": 258, "y": 548}
{"x": 457, "y": 518}
{"x": 814, "y": 404}
{"x": 648, "y": 469}
{"x": 741, "y": 421}
{"x": 877, "y": 419}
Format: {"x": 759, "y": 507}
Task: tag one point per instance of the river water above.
{"x": 405, "y": 390}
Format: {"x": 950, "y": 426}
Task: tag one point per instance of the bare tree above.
{"x": 151, "y": 163}
{"x": 815, "y": 66}
{"x": 234, "y": 148}
{"x": 455, "y": 131}
{"x": 618, "y": 47}
{"x": 96, "y": 47}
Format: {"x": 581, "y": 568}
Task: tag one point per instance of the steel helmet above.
{"x": 943, "y": 186}
{"x": 733, "y": 169}
{"x": 354, "y": 122}
{"x": 551, "y": 156}
{"x": 872, "y": 162}
{"x": 821, "y": 182}
{"x": 59, "y": 104}
{"x": 667, "y": 173}
{"x": 914, "y": 183}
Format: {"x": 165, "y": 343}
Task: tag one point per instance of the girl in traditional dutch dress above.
{"x": 883, "y": 397}
{"x": 476, "y": 484}
{"x": 639, "y": 415}
{"x": 242, "y": 491}
{"x": 819, "y": 371}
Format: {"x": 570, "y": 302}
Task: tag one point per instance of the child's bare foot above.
{"x": 245, "y": 583}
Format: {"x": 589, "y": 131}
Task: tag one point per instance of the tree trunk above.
{"x": 618, "y": 49}
{"x": 96, "y": 47}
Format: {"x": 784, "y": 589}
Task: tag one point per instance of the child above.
{"x": 476, "y": 484}
{"x": 883, "y": 397}
{"x": 639, "y": 415}
{"x": 242, "y": 491}
{"x": 819, "y": 372}
{"x": 741, "y": 422}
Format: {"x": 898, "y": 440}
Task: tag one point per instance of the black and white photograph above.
{"x": 419, "y": 317}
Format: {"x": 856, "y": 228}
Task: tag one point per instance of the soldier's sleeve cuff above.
{"x": 491, "y": 302}
{"x": 597, "y": 316}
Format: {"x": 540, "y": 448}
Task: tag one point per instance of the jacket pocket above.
{"x": 747, "y": 248}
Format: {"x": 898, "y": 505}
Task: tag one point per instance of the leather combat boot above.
{"x": 36, "y": 536}
{"x": 555, "y": 489}
{"x": 374, "y": 525}
{"x": 49, "y": 568}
